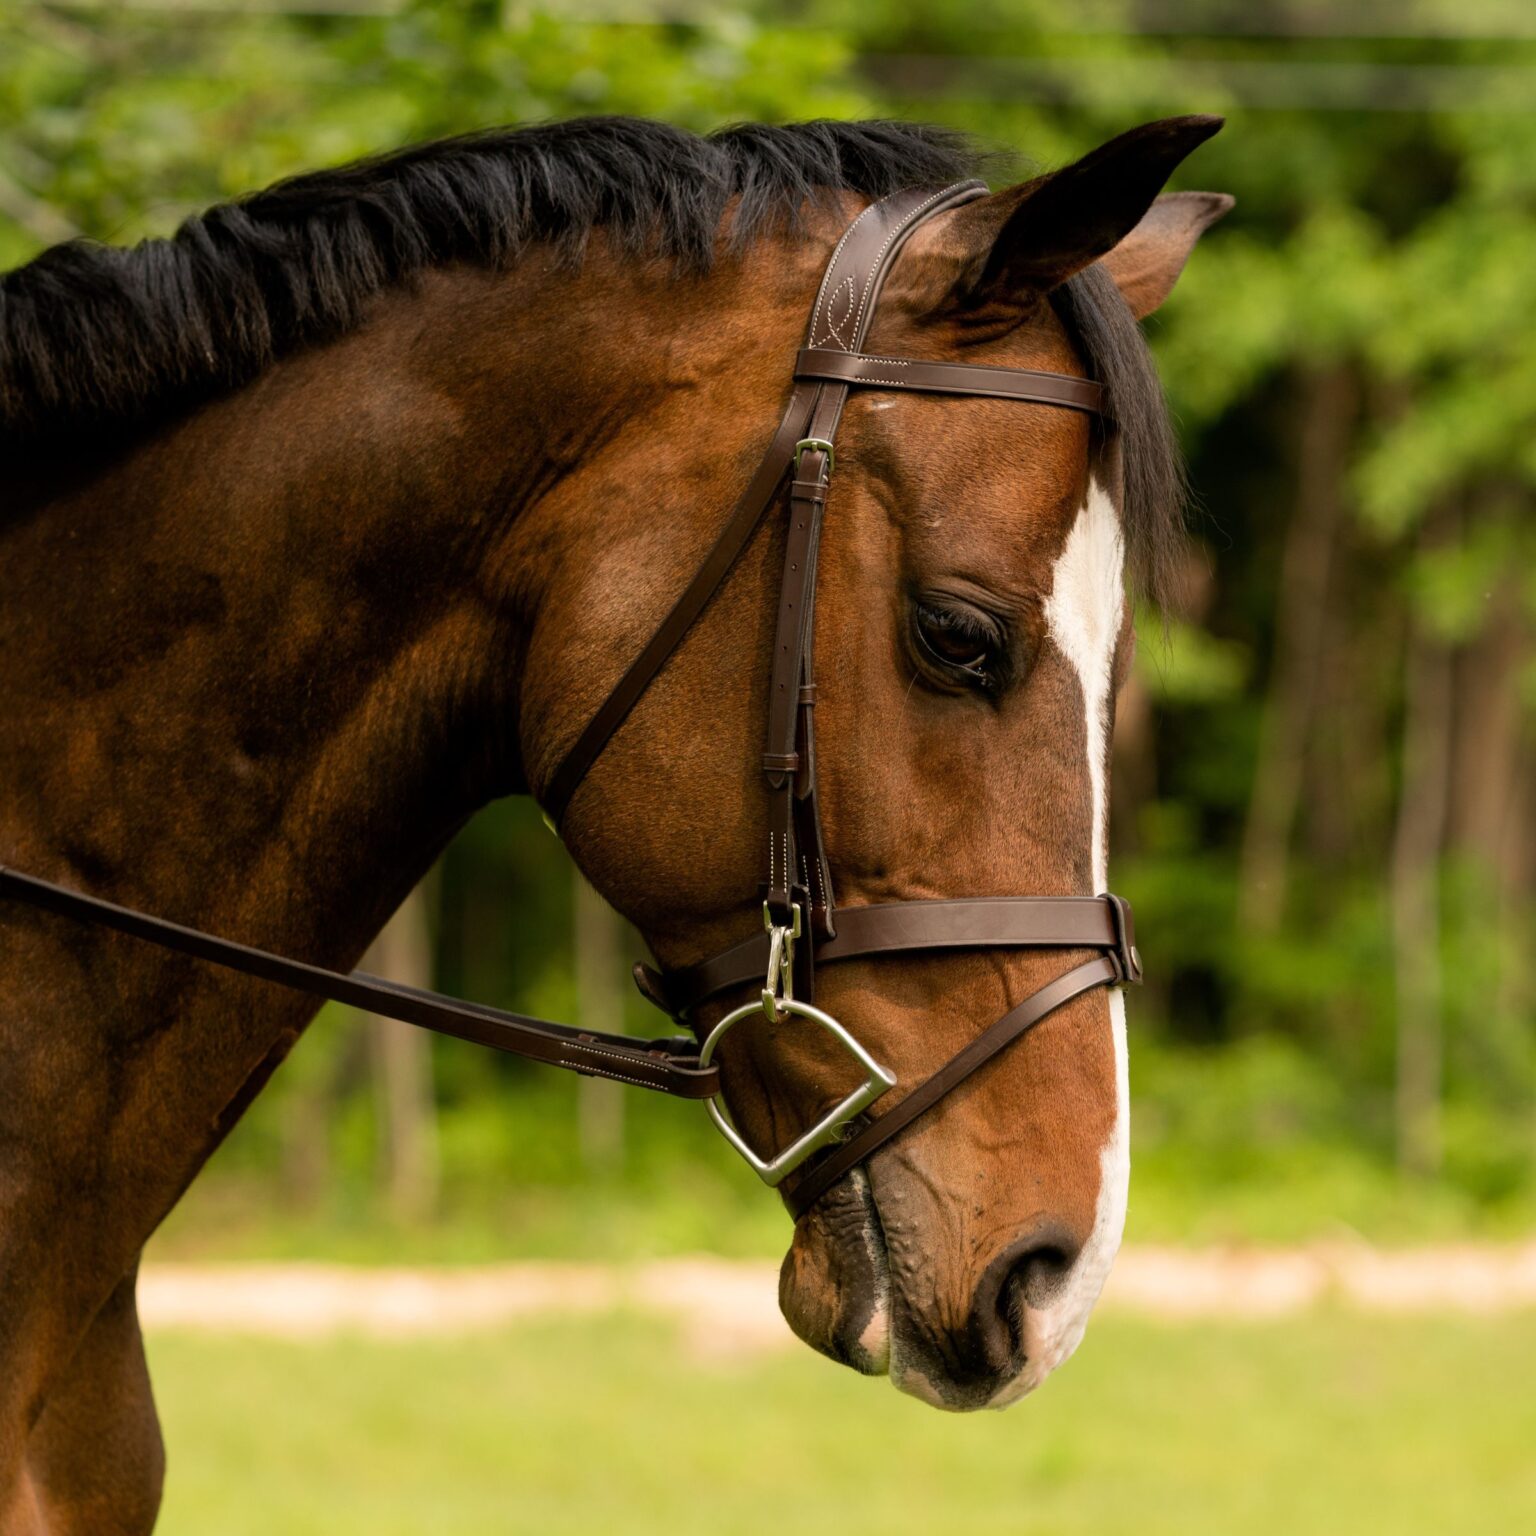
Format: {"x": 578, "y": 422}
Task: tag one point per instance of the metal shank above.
{"x": 832, "y": 1126}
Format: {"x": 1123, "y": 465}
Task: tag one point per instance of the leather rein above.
{"x": 803, "y": 928}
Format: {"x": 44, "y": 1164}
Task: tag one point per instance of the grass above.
{"x": 1334, "y": 1422}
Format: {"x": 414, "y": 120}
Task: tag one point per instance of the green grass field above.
{"x": 1334, "y": 1423}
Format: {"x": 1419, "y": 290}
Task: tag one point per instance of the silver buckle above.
{"x": 777, "y": 1004}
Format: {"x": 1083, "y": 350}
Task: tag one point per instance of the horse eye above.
{"x": 959, "y": 640}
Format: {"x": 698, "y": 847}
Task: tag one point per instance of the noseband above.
{"x": 803, "y": 927}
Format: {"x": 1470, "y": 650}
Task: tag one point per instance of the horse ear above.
{"x": 1037, "y": 235}
{"x": 1147, "y": 263}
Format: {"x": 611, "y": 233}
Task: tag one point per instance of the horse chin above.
{"x": 834, "y": 1286}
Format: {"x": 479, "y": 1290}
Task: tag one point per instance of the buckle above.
{"x": 815, "y": 445}
{"x": 1126, "y": 956}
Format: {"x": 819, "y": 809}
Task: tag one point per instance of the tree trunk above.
{"x": 1416, "y": 846}
{"x": 304, "y": 1155}
{"x": 402, "y": 1069}
{"x": 601, "y": 944}
{"x": 1328, "y": 411}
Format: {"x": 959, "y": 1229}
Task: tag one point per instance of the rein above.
{"x": 803, "y": 928}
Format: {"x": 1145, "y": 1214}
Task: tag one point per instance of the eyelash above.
{"x": 973, "y": 629}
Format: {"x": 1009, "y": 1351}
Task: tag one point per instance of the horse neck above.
{"x": 257, "y": 670}
{"x": 253, "y": 679}
{"x": 263, "y": 665}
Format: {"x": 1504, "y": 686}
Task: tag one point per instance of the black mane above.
{"x": 91, "y": 332}
{"x": 99, "y": 337}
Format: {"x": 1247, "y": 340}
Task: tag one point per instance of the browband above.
{"x": 924, "y": 377}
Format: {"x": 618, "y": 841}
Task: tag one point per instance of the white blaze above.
{"x": 1084, "y": 614}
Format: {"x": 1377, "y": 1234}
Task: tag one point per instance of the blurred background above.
{"x": 1325, "y": 781}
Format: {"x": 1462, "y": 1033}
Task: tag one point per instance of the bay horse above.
{"x": 334, "y": 516}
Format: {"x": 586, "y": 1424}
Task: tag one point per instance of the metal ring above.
{"x": 831, "y": 1125}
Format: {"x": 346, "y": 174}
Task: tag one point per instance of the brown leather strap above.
{"x": 670, "y": 633}
{"x": 789, "y": 671}
{"x": 845, "y": 302}
{"x": 815, "y": 873}
{"x": 664, "y": 1065}
{"x": 807, "y": 496}
{"x": 863, "y": 257}
{"x": 949, "y": 378}
{"x": 824, "y": 1174}
{"x": 841, "y": 317}
{"x": 989, "y": 922}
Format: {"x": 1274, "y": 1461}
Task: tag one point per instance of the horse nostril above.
{"x": 1027, "y": 1275}
{"x": 1040, "y": 1272}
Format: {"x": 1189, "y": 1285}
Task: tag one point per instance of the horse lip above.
{"x": 852, "y": 1237}
{"x": 876, "y": 1340}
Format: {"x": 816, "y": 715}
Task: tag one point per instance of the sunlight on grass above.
{"x": 1331, "y": 1423}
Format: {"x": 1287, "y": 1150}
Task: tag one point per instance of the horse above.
{"x": 335, "y": 515}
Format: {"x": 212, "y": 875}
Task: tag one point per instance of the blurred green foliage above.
{"x": 1351, "y": 362}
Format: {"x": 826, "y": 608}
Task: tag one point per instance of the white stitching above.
{"x": 879, "y": 260}
{"x": 834, "y": 332}
{"x": 837, "y": 253}
{"x": 827, "y": 276}
{"x": 773, "y": 860}
{"x": 588, "y": 1070}
{"x": 602, "y": 1070}
{"x": 813, "y": 880}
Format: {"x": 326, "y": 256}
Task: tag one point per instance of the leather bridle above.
{"x": 803, "y": 928}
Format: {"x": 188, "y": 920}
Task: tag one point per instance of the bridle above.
{"x": 803, "y": 928}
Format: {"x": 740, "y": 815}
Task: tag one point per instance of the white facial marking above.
{"x": 1052, "y": 1333}
{"x": 1084, "y": 611}
{"x": 1084, "y": 615}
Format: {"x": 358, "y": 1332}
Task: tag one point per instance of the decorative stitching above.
{"x": 600, "y": 1070}
{"x": 831, "y": 275}
{"x": 588, "y": 1070}
{"x": 811, "y": 869}
{"x": 821, "y": 887}
{"x": 834, "y": 331}
{"x": 827, "y": 276}
{"x": 879, "y": 261}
